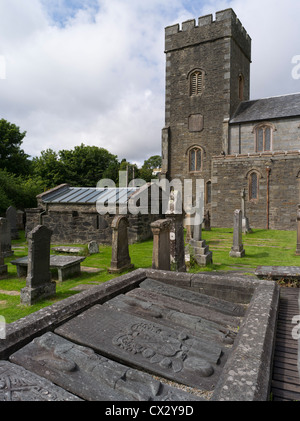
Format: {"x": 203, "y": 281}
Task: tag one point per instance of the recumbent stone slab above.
{"x": 186, "y": 307}
{"x": 198, "y": 326}
{"x": 226, "y": 307}
{"x": 89, "y": 375}
{"x": 142, "y": 344}
{"x": 18, "y": 384}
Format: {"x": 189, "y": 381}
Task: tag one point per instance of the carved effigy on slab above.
{"x": 198, "y": 326}
{"x": 91, "y": 376}
{"x": 151, "y": 346}
{"x": 225, "y": 307}
{"x": 18, "y": 384}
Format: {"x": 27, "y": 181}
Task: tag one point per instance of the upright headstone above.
{"x": 175, "y": 215}
{"x": 161, "y": 244}
{"x": 3, "y": 267}
{"x": 11, "y": 216}
{"x": 201, "y": 252}
{"x": 298, "y": 231}
{"x": 245, "y": 221}
{"x": 207, "y": 221}
{"x": 38, "y": 281}
{"x": 93, "y": 247}
{"x": 5, "y": 238}
{"x": 237, "y": 249}
{"x": 120, "y": 260}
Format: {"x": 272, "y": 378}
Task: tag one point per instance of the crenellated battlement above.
{"x": 226, "y": 24}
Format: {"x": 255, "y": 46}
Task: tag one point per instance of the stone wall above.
{"x": 230, "y": 175}
{"x": 82, "y": 223}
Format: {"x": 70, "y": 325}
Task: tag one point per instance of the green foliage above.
{"x": 149, "y": 165}
{"x": 13, "y": 158}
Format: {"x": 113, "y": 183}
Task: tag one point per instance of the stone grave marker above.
{"x": 18, "y": 384}
{"x": 245, "y": 220}
{"x": 237, "y": 249}
{"x": 161, "y": 244}
{"x": 120, "y": 260}
{"x": 38, "y": 281}
{"x": 175, "y": 215}
{"x": 91, "y": 376}
{"x": 201, "y": 252}
{"x": 93, "y": 247}
{"x": 3, "y": 267}
{"x": 5, "y": 238}
{"x": 163, "y": 351}
{"x": 11, "y": 216}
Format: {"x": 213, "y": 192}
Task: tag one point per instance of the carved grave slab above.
{"x": 198, "y": 326}
{"x": 18, "y": 384}
{"x": 91, "y": 376}
{"x": 186, "y": 307}
{"x": 158, "y": 349}
{"x": 225, "y": 307}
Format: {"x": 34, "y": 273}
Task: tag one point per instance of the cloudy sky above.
{"x": 93, "y": 71}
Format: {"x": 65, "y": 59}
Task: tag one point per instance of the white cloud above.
{"x": 98, "y": 75}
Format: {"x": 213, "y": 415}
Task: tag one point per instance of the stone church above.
{"x": 213, "y": 131}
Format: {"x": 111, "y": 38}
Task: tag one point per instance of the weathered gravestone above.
{"x": 3, "y": 267}
{"x": 38, "y": 281}
{"x": 237, "y": 249}
{"x": 161, "y": 244}
{"x": 120, "y": 260}
{"x": 11, "y": 216}
{"x": 5, "y": 238}
{"x": 93, "y": 247}
{"x": 245, "y": 221}
{"x": 18, "y": 384}
{"x": 201, "y": 252}
{"x": 175, "y": 215}
{"x": 147, "y": 345}
{"x": 91, "y": 376}
{"x": 298, "y": 232}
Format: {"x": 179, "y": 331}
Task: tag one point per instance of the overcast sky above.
{"x": 93, "y": 71}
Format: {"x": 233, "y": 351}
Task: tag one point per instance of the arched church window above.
{"x": 253, "y": 185}
{"x": 263, "y": 138}
{"x": 195, "y": 159}
{"x": 196, "y": 82}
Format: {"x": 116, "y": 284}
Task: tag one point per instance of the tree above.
{"x": 146, "y": 171}
{"x": 13, "y": 158}
{"x": 49, "y": 168}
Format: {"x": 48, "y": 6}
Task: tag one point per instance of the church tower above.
{"x": 207, "y": 76}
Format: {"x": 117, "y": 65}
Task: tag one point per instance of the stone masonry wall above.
{"x": 230, "y": 175}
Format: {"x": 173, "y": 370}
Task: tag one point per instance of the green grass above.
{"x": 262, "y": 248}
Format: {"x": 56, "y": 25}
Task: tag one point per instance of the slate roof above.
{"x": 88, "y": 195}
{"x": 268, "y": 109}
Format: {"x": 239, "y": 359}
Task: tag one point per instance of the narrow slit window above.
{"x": 253, "y": 186}
{"x": 196, "y": 83}
{"x": 263, "y": 139}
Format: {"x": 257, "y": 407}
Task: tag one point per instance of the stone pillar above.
{"x": 120, "y": 260}
{"x": 237, "y": 249}
{"x": 201, "y": 252}
{"x": 298, "y": 231}
{"x": 245, "y": 221}
{"x": 175, "y": 215}
{"x": 5, "y": 238}
{"x": 11, "y": 216}
{"x": 38, "y": 281}
{"x": 161, "y": 244}
{"x": 3, "y": 267}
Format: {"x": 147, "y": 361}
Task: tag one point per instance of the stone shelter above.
{"x": 214, "y": 132}
{"x": 72, "y": 213}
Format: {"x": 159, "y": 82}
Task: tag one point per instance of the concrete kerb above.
{"x": 247, "y": 372}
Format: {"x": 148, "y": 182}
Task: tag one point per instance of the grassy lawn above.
{"x": 262, "y": 248}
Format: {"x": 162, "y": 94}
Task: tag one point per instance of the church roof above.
{"x": 268, "y": 108}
